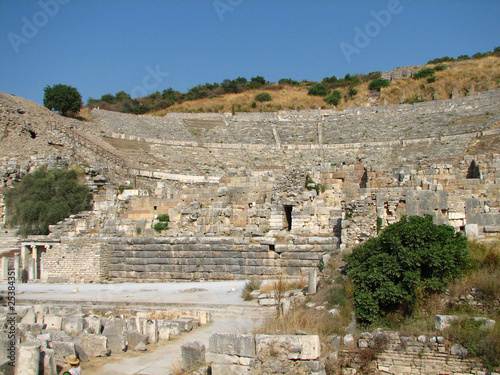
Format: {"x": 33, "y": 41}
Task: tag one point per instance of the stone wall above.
{"x": 394, "y": 353}
{"x": 76, "y": 260}
{"x": 212, "y": 258}
{"x": 265, "y": 354}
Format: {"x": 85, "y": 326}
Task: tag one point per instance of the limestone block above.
{"x": 116, "y": 343}
{"x": 49, "y": 361}
{"x": 193, "y": 356}
{"x": 163, "y": 333}
{"x": 150, "y": 329}
{"x": 63, "y": 350}
{"x": 73, "y": 324}
{"x": 114, "y": 324}
{"x": 230, "y": 359}
{"x": 94, "y": 324}
{"x": 94, "y": 345}
{"x": 229, "y": 369}
{"x": 53, "y": 322}
{"x": 134, "y": 338}
{"x": 242, "y": 345}
{"x": 29, "y": 318}
{"x": 306, "y": 347}
{"x": 27, "y": 359}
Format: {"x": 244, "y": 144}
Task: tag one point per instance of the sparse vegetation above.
{"x": 163, "y": 223}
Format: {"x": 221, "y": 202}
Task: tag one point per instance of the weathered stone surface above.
{"x": 53, "y": 322}
{"x": 73, "y": 324}
{"x": 134, "y": 338}
{"x": 94, "y": 324}
{"x": 94, "y": 345}
{"x": 140, "y": 347}
{"x": 303, "y": 347}
{"x": 48, "y": 359}
{"x": 114, "y": 324}
{"x": 27, "y": 359}
{"x": 117, "y": 343}
{"x": 193, "y": 355}
{"x": 150, "y": 329}
{"x": 230, "y": 369}
{"x": 62, "y": 350}
{"x": 233, "y": 344}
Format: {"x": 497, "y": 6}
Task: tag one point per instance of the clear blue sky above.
{"x": 141, "y": 46}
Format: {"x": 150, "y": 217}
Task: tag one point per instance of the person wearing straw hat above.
{"x": 75, "y": 366}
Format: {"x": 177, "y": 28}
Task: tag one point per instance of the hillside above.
{"x": 443, "y": 78}
{"x": 459, "y": 78}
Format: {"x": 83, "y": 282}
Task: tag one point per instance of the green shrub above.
{"x": 425, "y": 72}
{"x": 377, "y": 84}
{"x": 318, "y": 90}
{"x": 254, "y": 104}
{"x": 334, "y": 98}
{"x": 43, "y": 198}
{"x": 160, "y": 226}
{"x": 407, "y": 262}
{"x": 288, "y": 81}
{"x": 163, "y": 222}
{"x": 263, "y": 97}
{"x": 164, "y": 218}
{"x": 431, "y": 79}
{"x": 352, "y": 92}
{"x": 440, "y": 67}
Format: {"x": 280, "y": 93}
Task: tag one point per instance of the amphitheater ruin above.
{"x": 251, "y": 193}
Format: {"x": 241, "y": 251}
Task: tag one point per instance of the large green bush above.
{"x": 318, "y": 90}
{"x": 377, "y": 84}
{"x": 334, "y": 98}
{"x": 408, "y": 261}
{"x": 263, "y": 97}
{"x": 43, "y": 198}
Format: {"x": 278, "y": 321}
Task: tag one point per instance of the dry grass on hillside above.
{"x": 483, "y": 74}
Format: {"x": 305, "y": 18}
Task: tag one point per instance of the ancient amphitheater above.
{"x": 249, "y": 194}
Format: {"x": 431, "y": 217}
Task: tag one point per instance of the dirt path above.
{"x": 163, "y": 359}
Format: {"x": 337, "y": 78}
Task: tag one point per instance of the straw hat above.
{"x": 73, "y": 360}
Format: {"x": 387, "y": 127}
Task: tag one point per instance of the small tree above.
{"x": 334, "y": 98}
{"x": 263, "y": 97}
{"x": 409, "y": 260}
{"x": 43, "y": 198}
{"x": 377, "y": 84}
{"x": 62, "y": 98}
{"x": 318, "y": 90}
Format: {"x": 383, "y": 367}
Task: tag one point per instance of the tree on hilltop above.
{"x": 62, "y": 98}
